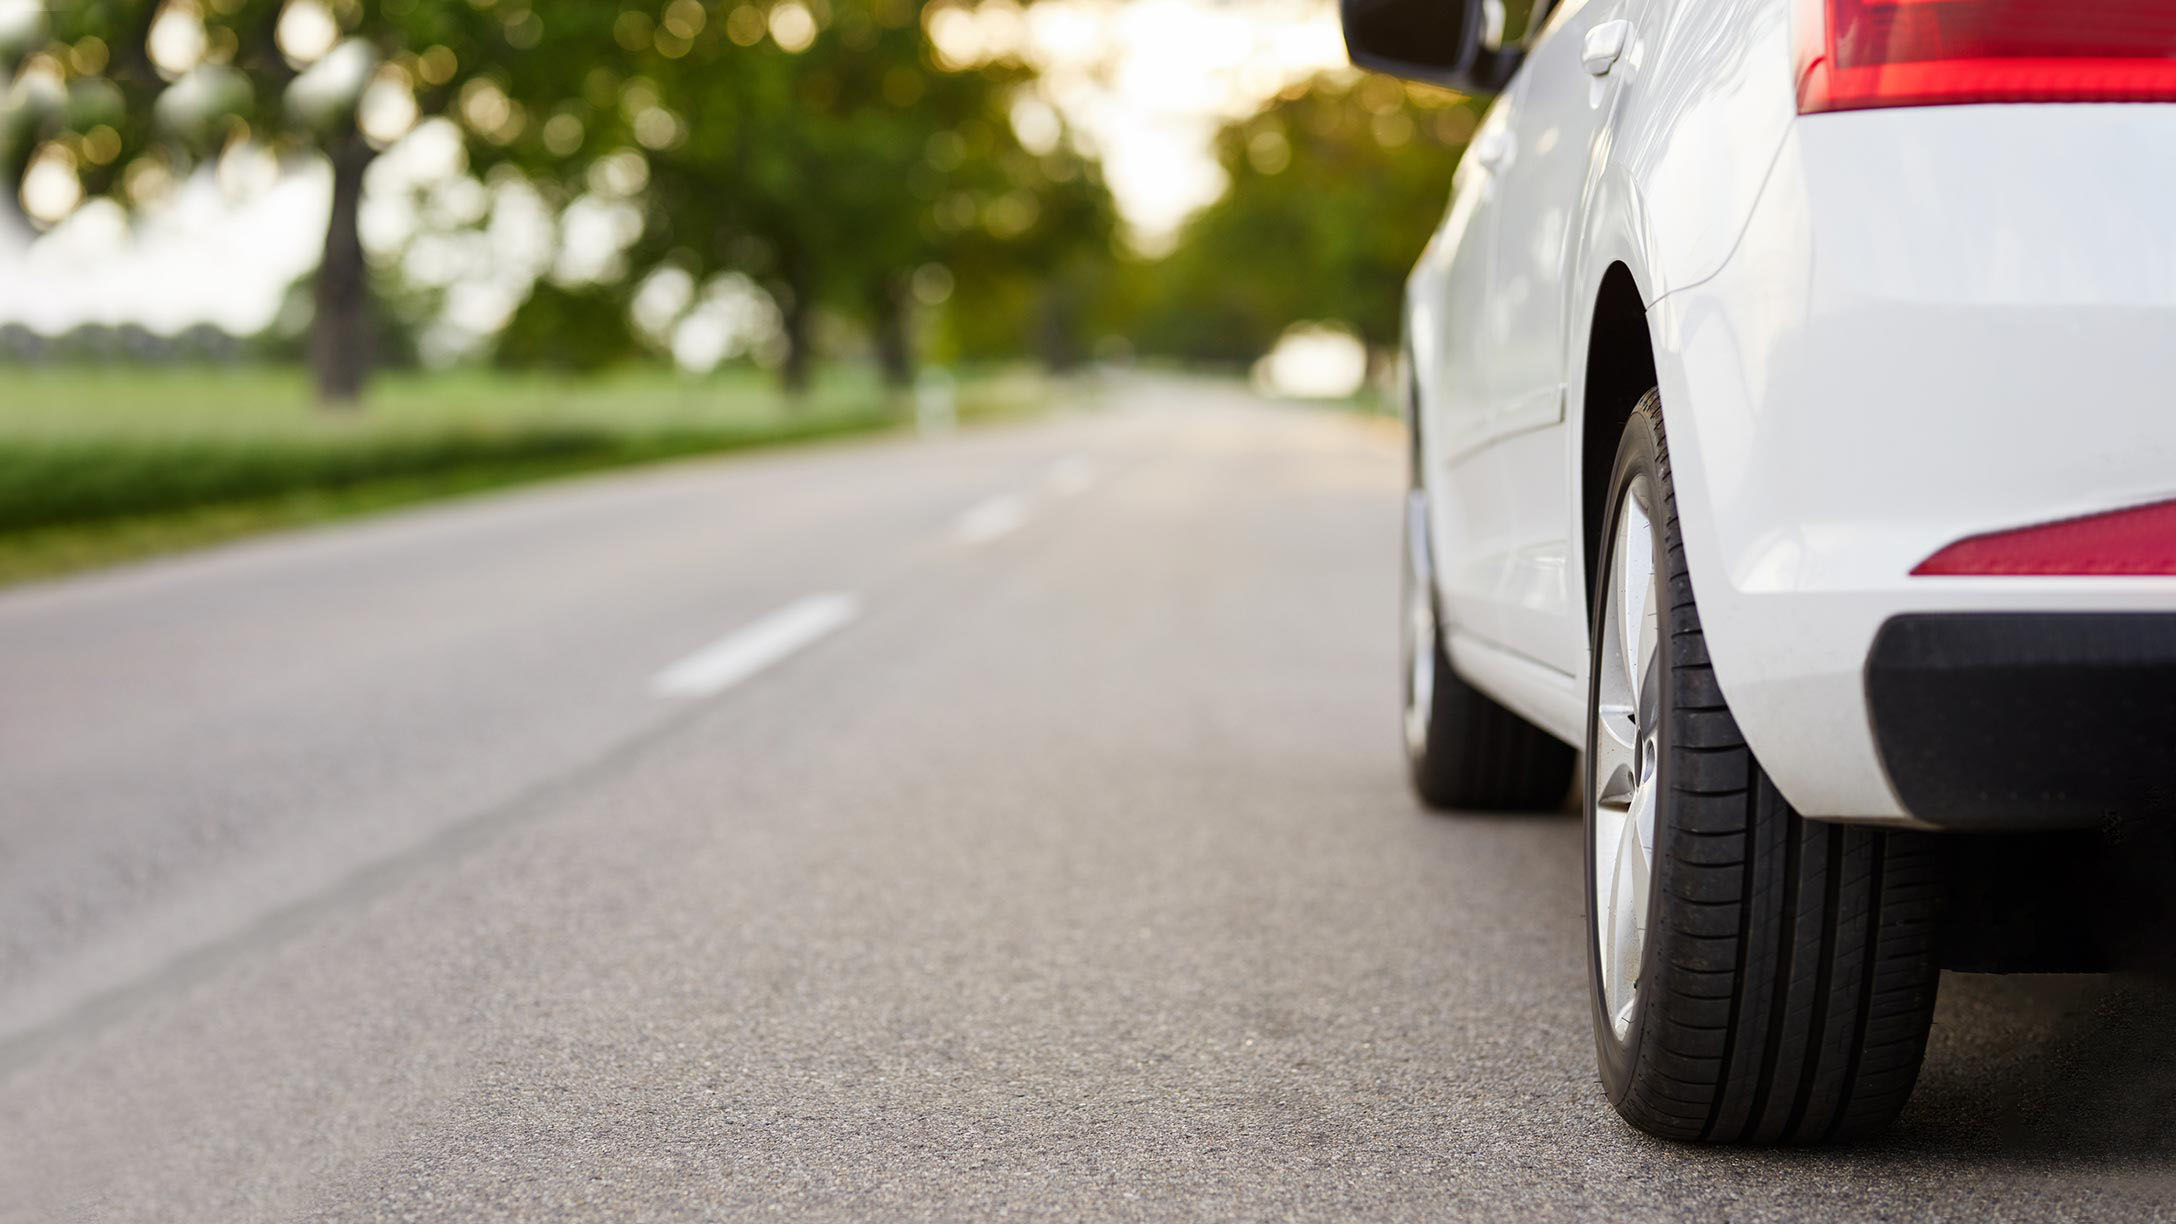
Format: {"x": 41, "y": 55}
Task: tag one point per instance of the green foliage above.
{"x": 139, "y": 111}
{"x": 582, "y": 329}
{"x": 833, "y": 172}
{"x": 244, "y": 86}
{"x": 1335, "y": 187}
{"x": 392, "y": 315}
{"x": 81, "y": 446}
{"x": 1046, "y": 290}
{"x": 818, "y": 146}
{"x": 81, "y": 481}
{"x": 231, "y": 490}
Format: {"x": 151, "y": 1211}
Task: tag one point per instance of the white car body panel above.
{"x": 1448, "y": 293}
{"x": 1915, "y": 343}
{"x": 1557, "y": 113}
{"x": 1501, "y": 438}
{"x": 1875, "y": 333}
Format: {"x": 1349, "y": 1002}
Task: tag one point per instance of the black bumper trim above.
{"x": 2026, "y": 720}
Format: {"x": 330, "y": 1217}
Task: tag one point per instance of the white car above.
{"x": 1793, "y": 405}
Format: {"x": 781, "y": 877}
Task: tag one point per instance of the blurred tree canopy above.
{"x": 1336, "y": 185}
{"x": 179, "y": 84}
{"x": 826, "y": 151}
{"x": 578, "y": 328}
{"x": 821, "y": 149}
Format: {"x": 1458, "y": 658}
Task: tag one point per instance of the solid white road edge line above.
{"x": 746, "y": 651}
{"x": 990, "y": 519}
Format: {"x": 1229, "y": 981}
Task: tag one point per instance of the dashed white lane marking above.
{"x": 1072, "y": 475}
{"x": 991, "y": 518}
{"x": 748, "y": 650}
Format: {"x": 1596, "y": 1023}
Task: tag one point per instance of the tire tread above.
{"x": 1481, "y": 757}
{"x": 1792, "y": 975}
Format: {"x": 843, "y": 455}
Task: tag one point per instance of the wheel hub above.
{"x": 1420, "y": 625}
{"x": 1626, "y": 757}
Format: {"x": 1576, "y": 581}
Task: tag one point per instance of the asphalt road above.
{"x": 1009, "y": 825}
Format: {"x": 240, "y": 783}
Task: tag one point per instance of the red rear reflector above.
{"x": 2140, "y": 540}
{"x": 1863, "y": 53}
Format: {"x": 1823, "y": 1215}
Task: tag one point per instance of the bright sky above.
{"x": 1145, "y": 83}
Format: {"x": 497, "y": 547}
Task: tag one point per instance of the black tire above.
{"x": 1464, "y": 751}
{"x": 1788, "y": 974}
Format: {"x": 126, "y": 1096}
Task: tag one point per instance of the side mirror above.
{"x": 1457, "y": 44}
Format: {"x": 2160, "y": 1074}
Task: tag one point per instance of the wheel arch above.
{"x": 1619, "y": 369}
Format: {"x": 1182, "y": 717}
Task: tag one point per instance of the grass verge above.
{"x": 98, "y": 467}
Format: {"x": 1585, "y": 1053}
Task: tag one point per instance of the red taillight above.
{"x": 1862, "y": 53}
{"x": 2137, "y": 541}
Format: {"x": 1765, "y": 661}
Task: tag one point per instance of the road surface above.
{"x": 1008, "y": 825}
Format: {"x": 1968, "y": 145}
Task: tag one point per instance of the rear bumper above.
{"x": 1915, "y": 341}
{"x": 2002, "y": 721}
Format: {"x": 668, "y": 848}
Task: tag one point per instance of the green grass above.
{"x": 98, "y": 466}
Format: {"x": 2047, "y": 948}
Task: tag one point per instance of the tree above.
{"x": 155, "y": 88}
{"x": 579, "y": 329}
{"x": 821, "y": 147}
{"x": 828, "y": 152}
{"x": 1342, "y": 178}
{"x": 77, "y": 102}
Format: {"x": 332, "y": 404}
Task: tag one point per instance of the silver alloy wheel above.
{"x": 1627, "y": 718}
{"x": 1420, "y": 625}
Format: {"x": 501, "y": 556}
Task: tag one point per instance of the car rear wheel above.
{"x": 1464, "y": 751}
{"x": 1757, "y": 977}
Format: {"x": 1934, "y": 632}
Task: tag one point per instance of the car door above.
{"x": 1558, "y": 129}
{"x": 1558, "y": 113}
{"x": 1447, "y": 301}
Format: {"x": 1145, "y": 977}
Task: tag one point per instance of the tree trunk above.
{"x": 1057, "y": 325}
{"x": 894, "y": 346}
{"x": 14, "y": 226}
{"x": 340, "y": 328}
{"x": 797, "y": 311}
